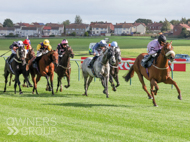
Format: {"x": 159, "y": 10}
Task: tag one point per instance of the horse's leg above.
{"x": 37, "y": 79}
{"x": 68, "y": 81}
{"x": 34, "y": 82}
{"x": 85, "y": 83}
{"x": 112, "y": 83}
{"x": 106, "y": 80}
{"x": 89, "y": 81}
{"x": 17, "y": 81}
{"x": 153, "y": 83}
{"x": 61, "y": 86}
{"x": 171, "y": 81}
{"x": 116, "y": 79}
{"x": 6, "y": 74}
{"x": 58, "y": 81}
{"x": 10, "y": 79}
{"x": 48, "y": 88}
{"x": 143, "y": 85}
{"x": 51, "y": 79}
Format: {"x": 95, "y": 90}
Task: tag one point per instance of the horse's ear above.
{"x": 170, "y": 42}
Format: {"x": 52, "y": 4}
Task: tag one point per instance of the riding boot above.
{"x": 147, "y": 59}
{"x": 92, "y": 62}
{"x": 12, "y": 55}
{"x": 35, "y": 62}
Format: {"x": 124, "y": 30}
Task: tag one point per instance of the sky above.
{"x": 114, "y": 11}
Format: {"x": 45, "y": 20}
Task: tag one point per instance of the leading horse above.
{"x": 16, "y": 67}
{"x": 100, "y": 69}
{"x": 45, "y": 68}
{"x": 158, "y": 72}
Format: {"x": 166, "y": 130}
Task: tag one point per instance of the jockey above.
{"x": 62, "y": 48}
{"x": 13, "y": 48}
{"x": 42, "y": 48}
{"x": 114, "y": 44}
{"x": 27, "y": 45}
{"x": 97, "y": 51}
{"x": 154, "y": 46}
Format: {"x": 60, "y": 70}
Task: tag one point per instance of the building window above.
{"x": 175, "y": 30}
{"x": 96, "y": 28}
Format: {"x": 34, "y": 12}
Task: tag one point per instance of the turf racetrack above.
{"x": 128, "y": 115}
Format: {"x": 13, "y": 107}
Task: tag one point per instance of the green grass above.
{"x": 128, "y": 115}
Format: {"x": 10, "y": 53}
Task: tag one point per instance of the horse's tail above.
{"x": 129, "y": 75}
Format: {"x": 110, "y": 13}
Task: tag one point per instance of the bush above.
{"x": 86, "y": 34}
{"x": 73, "y": 34}
{"x": 51, "y": 35}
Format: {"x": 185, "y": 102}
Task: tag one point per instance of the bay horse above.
{"x": 101, "y": 69}
{"x": 64, "y": 69}
{"x": 45, "y": 68}
{"x": 114, "y": 69}
{"x": 158, "y": 72}
{"x": 16, "y": 67}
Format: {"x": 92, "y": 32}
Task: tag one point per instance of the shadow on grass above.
{"x": 29, "y": 94}
{"x": 88, "y": 105}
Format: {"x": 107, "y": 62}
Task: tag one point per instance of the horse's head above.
{"x": 21, "y": 53}
{"x": 118, "y": 54}
{"x": 69, "y": 51}
{"x": 111, "y": 55}
{"x": 54, "y": 56}
{"x": 168, "y": 51}
{"x": 30, "y": 54}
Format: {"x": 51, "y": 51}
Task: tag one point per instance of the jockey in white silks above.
{"x": 154, "y": 46}
{"x": 97, "y": 51}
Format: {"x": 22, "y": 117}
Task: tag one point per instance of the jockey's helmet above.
{"x": 161, "y": 38}
{"x": 20, "y": 43}
{"x": 46, "y": 42}
{"x": 103, "y": 43}
{"x": 26, "y": 42}
{"x": 114, "y": 44}
{"x": 64, "y": 41}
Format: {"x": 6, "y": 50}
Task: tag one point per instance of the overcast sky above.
{"x": 114, "y": 11}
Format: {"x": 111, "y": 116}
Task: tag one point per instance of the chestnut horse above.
{"x": 158, "y": 72}
{"x": 64, "y": 69}
{"x": 45, "y": 68}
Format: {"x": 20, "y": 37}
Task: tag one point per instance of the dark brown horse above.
{"x": 158, "y": 72}
{"x": 45, "y": 68}
{"x": 114, "y": 70}
{"x": 64, "y": 69}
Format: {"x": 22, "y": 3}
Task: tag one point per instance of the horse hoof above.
{"x": 114, "y": 89}
{"x": 156, "y": 105}
{"x": 32, "y": 92}
{"x": 21, "y": 93}
{"x": 31, "y": 85}
{"x": 60, "y": 90}
{"x": 150, "y": 97}
{"x": 117, "y": 85}
{"x": 84, "y": 94}
{"x": 50, "y": 89}
{"x": 179, "y": 98}
{"x": 107, "y": 96}
{"x": 4, "y": 91}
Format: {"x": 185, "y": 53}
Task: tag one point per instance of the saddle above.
{"x": 148, "y": 63}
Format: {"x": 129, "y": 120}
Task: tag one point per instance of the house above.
{"x": 178, "y": 28}
{"x": 100, "y": 29}
{"x": 56, "y": 29}
{"x": 46, "y": 31}
{"x": 110, "y": 26}
{"x": 79, "y": 29}
{"x": 18, "y": 30}
{"x": 156, "y": 27}
{"x": 1, "y": 25}
{"x": 29, "y": 31}
{"x": 6, "y": 31}
{"x": 129, "y": 28}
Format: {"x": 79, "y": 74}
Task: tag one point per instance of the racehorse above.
{"x": 29, "y": 56}
{"x": 16, "y": 67}
{"x": 45, "y": 68}
{"x": 158, "y": 72}
{"x": 114, "y": 70}
{"x": 64, "y": 69}
{"x": 100, "y": 69}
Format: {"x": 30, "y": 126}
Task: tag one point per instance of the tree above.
{"x": 184, "y": 32}
{"x": 174, "y": 22}
{"x": 161, "y": 22}
{"x": 8, "y": 23}
{"x": 86, "y": 34}
{"x": 183, "y": 20}
{"x": 78, "y": 20}
{"x": 65, "y": 23}
{"x": 145, "y": 21}
{"x": 166, "y": 26}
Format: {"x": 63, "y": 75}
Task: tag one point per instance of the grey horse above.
{"x": 101, "y": 69}
{"x": 114, "y": 70}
